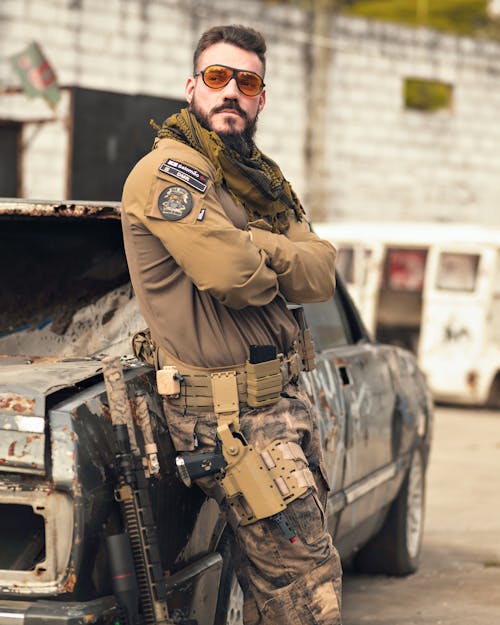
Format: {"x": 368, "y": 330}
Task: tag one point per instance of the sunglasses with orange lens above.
{"x": 218, "y": 76}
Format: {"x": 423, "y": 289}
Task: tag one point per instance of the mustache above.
{"x": 230, "y": 104}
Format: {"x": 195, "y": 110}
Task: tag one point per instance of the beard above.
{"x": 242, "y": 141}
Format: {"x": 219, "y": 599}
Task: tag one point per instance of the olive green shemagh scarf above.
{"x": 256, "y": 181}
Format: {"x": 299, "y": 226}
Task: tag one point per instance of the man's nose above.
{"x": 231, "y": 89}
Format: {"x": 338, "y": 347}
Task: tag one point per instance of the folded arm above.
{"x": 195, "y": 230}
{"x": 304, "y": 263}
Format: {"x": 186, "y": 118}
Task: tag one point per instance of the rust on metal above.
{"x": 70, "y": 583}
{"x": 67, "y": 209}
{"x": 22, "y": 450}
{"x": 29, "y": 439}
{"x": 36, "y": 360}
{"x": 12, "y": 402}
{"x": 472, "y": 380}
{"x": 23, "y": 359}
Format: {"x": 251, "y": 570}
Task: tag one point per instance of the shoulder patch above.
{"x": 174, "y": 203}
{"x": 186, "y": 173}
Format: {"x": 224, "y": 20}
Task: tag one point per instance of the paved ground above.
{"x": 458, "y": 582}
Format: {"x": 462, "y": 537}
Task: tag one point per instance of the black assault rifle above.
{"x": 138, "y": 580}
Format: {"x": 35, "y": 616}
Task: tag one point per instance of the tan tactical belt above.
{"x": 258, "y": 385}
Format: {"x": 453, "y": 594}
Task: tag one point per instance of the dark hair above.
{"x": 235, "y": 34}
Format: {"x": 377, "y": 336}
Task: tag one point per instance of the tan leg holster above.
{"x": 257, "y": 485}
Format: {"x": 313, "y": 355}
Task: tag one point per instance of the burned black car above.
{"x": 67, "y": 305}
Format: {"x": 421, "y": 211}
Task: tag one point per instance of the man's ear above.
{"x": 189, "y": 90}
{"x": 262, "y": 100}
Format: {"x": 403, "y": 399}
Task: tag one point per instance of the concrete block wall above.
{"x": 395, "y": 163}
{"x": 146, "y": 46}
{"x": 44, "y": 143}
{"x": 354, "y": 153}
{"x": 46, "y": 155}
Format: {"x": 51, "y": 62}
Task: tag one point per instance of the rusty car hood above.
{"x": 76, "y": 209}
{"x": 24, "y": 390}
{"x": 24, "y": 387}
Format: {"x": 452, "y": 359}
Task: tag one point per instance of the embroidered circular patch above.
{"x": 175, "y": 203}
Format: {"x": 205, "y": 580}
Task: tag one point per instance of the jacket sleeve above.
{"x": 304, "y": 263}
{"x": 195, "y": 230}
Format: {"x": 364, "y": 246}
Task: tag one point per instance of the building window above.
{"x": 427, "y": 96}
{"x": 111, "y": 133}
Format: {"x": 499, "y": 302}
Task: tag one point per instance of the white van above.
{"x": 434, "y": 288}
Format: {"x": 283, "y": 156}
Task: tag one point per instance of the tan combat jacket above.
{"x": 209, "y": 284}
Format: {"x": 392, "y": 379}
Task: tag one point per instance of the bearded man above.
{"x": 217, "y": 245}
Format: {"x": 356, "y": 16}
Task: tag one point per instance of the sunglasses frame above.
{"x": 233, "y": 75}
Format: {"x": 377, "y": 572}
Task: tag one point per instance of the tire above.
{"x": 395, "y": 550}
{"x": 229, "y": 609}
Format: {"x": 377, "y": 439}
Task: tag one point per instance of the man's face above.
{"x": 227, "y": 111}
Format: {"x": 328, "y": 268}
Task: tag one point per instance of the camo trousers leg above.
{"x": 283, "y": 583}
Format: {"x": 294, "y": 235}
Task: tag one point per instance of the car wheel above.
{"x": 230, "y": 600}
{"x": 395, "y": 550}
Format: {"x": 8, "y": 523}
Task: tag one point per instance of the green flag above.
{"x": 36, "y": 74}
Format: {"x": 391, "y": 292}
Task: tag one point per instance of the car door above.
{"x": 324, "y": 387}
{"x": 366, "y": 396}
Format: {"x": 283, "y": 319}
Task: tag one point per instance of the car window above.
{"x": 345, "y": 263}
{"x": 328, "y": 323}
{"x": 405, "y": 269}
{"x": 457, "y": 272}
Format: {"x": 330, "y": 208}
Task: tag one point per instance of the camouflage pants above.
{"x": 283, "y": 583}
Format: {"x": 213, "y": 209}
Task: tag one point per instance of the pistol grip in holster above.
{"x": 257, "y": 485}
{"x": 249, "y": 488}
